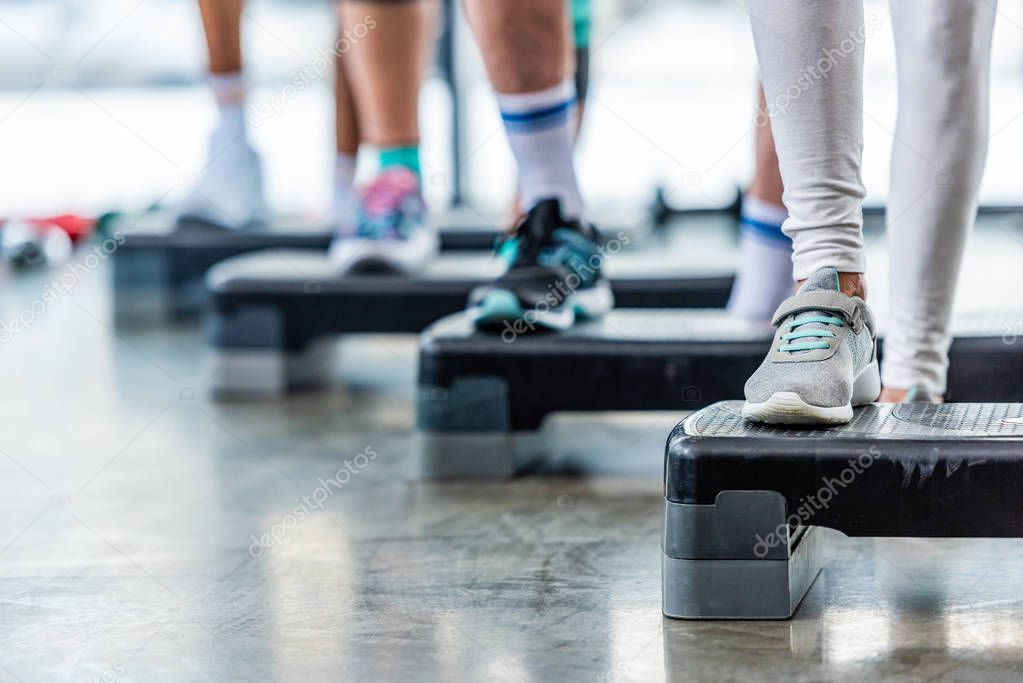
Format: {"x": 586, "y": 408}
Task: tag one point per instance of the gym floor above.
{"x": 132, "y": 504}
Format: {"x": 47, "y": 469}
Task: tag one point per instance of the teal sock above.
{"x": 400, "y": 156}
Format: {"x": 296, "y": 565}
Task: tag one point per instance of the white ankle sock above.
{"x": 540, "y": 128}
{"x": 229, "y": 90}
{"x": 344, "y": 179}
{"x": 764, "y": 278}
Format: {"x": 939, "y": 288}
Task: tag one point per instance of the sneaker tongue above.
{"x": 822, "y": 279}
{"x": 546, "y": 212}
{"x": 541, "y": 222}
{"x": 533, "y": 232}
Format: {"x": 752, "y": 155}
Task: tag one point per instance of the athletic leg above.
{"x": 229, "y": 191}
{"x": 823, "y": 358}
{"x": 815, "y": 100}
{"x": 578, "y": 52}
{"x": 554, "y": 271}
{"x": 347, "y": 138}
{"x": 764, "y": 277}
{"x": 222, "y": 25}
{"x": 943, "y": 52}
{"x": 387, "y": 64}
{"x": 385, "y": 67}
{"x": 525, "y": 49}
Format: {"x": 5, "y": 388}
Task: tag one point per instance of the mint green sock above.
{"x": 580, "y": 10}
{"x": 400, "y": 156}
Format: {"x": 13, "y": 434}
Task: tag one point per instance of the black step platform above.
{"x": 747, "y": 506}
{"x": 482, "y": 400}
{"x": 159, "y": 268}
{"x": 273, "y": 311}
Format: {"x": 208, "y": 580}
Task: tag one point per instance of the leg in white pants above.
{"x": 943, "y": 52}
{"x": 811, "y": 63}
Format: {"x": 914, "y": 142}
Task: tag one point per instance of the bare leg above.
{"x": 524, "y": 42}
{"x": 572, "y": 48}
{"x": 221, "y": 20}
{"x": 346, "y": 122}
{"x": 229, "y": 191}
{"x": 764, "y": 276}
{"x": 386, "y": 67}
{"x": 386, "y": 48}
{"x": 347, "y": 137}
{"x": 528, "y": 56}
{"x": 766, "y": 183}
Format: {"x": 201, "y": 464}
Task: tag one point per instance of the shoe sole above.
{"x": 502, "y": 309}
{"x": 355, "y": 255}
{"x": 788, "y": 407}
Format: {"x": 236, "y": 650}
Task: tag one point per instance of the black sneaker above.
{"x": 553, "y": 278}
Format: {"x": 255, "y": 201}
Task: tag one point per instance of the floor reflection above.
{"x": 918, "y": 608}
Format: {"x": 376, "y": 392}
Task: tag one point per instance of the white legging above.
{"x": 811, "y": 64}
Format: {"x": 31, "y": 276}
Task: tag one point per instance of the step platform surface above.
{"x": 750, "y": 508}
{"x": 159, "y": 268}
{"x": 274, "y": 308}
{"x": 477, "y": 388}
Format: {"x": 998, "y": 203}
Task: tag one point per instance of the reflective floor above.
{"x": 150, "y": 534}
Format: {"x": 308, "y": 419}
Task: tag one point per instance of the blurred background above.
{"x": 103, "y": 106}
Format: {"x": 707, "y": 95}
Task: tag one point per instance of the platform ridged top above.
{"x": 692, "y": 325}
{"x": 648, "y": 325}
{"x": 895, "y": 421}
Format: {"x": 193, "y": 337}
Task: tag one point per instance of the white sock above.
{"x": 229, "y": 90}
{"x": 344, "y": 179}
{"x": 764, "y": 278}
{"x": 540, "y": 128}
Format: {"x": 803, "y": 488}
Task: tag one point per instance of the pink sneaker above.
{"x": 391, "y": 234}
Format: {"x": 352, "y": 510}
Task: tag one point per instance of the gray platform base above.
{"x": 742, "y": 589}
{"x": 142, "y": 307}
{"x": 140, "y": 290}
{"x": 271, "y": 374}
{"x": 475, "y": 455}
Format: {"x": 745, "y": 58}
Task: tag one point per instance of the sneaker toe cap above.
{"x": 814, "y": 384}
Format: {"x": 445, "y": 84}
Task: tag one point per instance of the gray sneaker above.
{"x": 822, "y": 362}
